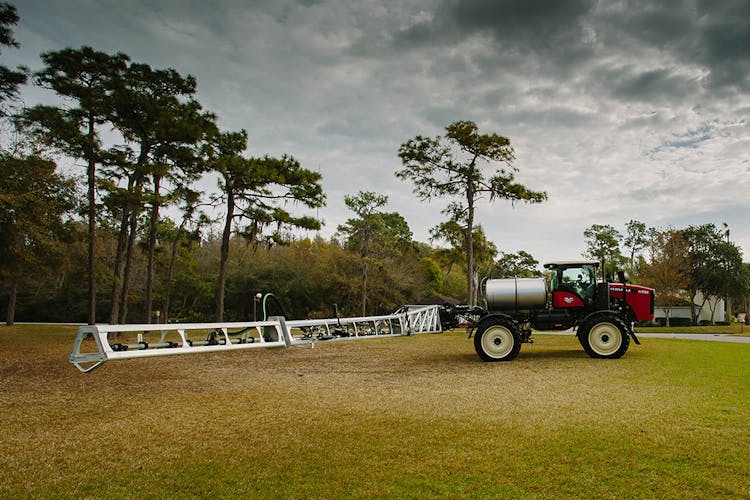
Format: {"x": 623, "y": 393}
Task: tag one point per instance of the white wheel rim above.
{"x": 605, "y": 339}
{"x": 497, "y": 341}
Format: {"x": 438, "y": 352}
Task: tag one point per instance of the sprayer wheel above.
{"x": 604, "y": 337}
{"x": 497, "y": 340}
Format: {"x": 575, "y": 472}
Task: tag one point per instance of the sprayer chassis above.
{"x": 602, "y": 312}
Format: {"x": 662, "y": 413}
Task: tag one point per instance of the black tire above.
{"x": 604, "y": 336}
{"x": 497, "y": 339}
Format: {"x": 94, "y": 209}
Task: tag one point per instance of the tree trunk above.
{"x": 114, "y": 313}
{"x": 712, "y": 307}
{"x": 151, "y": 249}
{"x": 134, "y": 190}
{"x": 728, "y": 316}
{"x": 224, "y": 256}
{"x": 10, "y": 316}
{"x": 122, "y": 240}
{"x": 128, "y": 265}
{"x": 693, "y": 315}
{"x": 448, "y": 271}
{"x": 364, "y": 288}
{"x": 170, "y": 267}
{"x": 91, "y": 174}
{"x": 168, "y": 286}
{"x": 667, "y": 312}
{"x": 470, "y": 244}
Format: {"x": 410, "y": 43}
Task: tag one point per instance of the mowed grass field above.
{"x": 403, "y": 417}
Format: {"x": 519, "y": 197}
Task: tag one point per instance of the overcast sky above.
{"x": 618, "y": 109}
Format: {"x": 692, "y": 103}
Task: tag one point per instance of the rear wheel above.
{"x": 604, "y": 337}
{"x": 497, "y": 340}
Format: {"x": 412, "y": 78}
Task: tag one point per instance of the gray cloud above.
{"x": 662, "y": 84}
{"x": 518, "y": 24}
{"x": 620, "y": 109}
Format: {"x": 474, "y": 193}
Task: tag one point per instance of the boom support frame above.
{"x": 94, "y": 344}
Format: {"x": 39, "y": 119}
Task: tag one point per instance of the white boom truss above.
{"x": 92, "y": 345}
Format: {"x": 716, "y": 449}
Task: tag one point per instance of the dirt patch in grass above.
{"x": 417, "y": 416}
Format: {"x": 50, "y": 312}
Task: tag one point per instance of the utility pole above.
{"x": 256, "y": 299}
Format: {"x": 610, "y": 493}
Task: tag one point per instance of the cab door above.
{"x": 574, "y": 286}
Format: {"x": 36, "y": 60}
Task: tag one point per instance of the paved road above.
{"x": 713, "y": 337}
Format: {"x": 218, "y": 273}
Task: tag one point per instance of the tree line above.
{"x": 159, "y": 143}
{"x": 145, "y": 141}
{"x": 682, "y": 264}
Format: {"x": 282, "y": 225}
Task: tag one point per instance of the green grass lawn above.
{"x": 404, "y": 417}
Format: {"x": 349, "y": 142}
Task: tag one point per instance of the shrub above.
{"x": 679, "y": 321}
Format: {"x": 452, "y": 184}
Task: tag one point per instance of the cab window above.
{"x": 579, "y": 279}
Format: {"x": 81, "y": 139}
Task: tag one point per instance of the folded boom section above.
{"x": 95, "y": 344}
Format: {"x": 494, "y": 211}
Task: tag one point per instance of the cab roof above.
{"x": 570, "y": 263}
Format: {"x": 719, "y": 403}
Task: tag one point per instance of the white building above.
{"x": 702, "y": 313}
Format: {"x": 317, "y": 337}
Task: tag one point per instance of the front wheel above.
{"x": 497, "y": 340}
{"x": 604, "y": 337}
